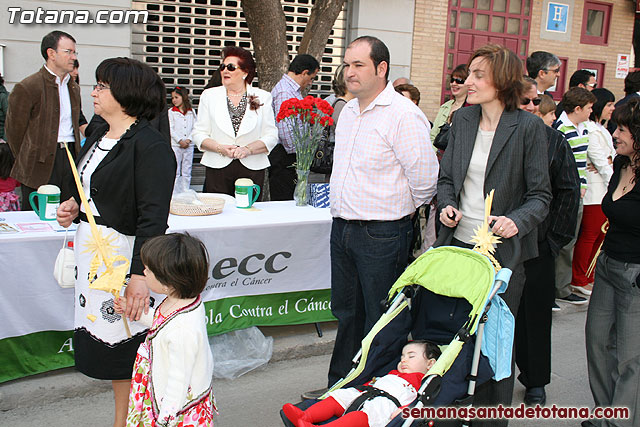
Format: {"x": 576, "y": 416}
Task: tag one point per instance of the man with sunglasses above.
{"x": 282, "y": 175}
{"x": 533, "y": 322}
{"x": 544, "y": 68}
{"x": 44, "y": 111}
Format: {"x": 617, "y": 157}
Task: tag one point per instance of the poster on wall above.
{"x": 622, "y": 66}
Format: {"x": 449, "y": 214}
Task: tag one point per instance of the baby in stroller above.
{"x": 376, "y": 402}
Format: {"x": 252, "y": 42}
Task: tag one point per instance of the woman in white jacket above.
{"x": 600, "y": 154}
{"x": 236, "y": 127}
{"x": 181, "y": 120}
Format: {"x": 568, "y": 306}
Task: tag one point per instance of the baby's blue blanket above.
{"x": 497, "y": 341}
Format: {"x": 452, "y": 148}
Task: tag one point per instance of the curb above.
{"x": 289, "y": 342}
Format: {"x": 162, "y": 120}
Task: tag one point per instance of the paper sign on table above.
{"x": 34, "y": 227}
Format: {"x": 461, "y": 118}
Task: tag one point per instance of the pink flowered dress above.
{"x": 141, "y": 412}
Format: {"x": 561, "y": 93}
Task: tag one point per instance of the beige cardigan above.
{"x": 598, "y": 152}
{"x": 181, "y": 359}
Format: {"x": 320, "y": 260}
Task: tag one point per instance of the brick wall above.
{"x": 620, "y": 39}
{"x": 427, "y": 56}
{"x": 429, "y": 38}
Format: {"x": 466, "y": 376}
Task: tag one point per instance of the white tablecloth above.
{"x": 263, "y": 263}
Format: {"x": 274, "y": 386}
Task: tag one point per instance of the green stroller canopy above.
{"x": 454, "y": 272}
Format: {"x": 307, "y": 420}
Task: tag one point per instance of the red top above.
{"x": 8, "y": 184}
{"x": 413, "y": 378}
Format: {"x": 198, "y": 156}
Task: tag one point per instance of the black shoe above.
{"x": 315, "y": 394}
{"x": 535, "y": 396}
{"x": 555, "y": 307}
{"x": 574, "y": 299}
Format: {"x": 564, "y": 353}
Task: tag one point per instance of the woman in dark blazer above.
{"x": 127, "y": 170}
{"x": 494, "y": 145}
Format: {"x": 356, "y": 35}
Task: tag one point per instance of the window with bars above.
{"x": 182, "y": 40}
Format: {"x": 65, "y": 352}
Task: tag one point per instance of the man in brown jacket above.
{"x": 44, "y": 110}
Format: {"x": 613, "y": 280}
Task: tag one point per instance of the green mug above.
{"x": 246, "y": 193}
{"x": 48, "y": 196}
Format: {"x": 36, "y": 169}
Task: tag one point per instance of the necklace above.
{"x": 630, "y": 178}
{"x": 236, "y": 95}
{"x": 97, "y": 146}
{"x": 177, "y": 304}
{"x": 167, "y": 310}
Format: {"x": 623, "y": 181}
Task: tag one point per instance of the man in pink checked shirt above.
{"x": 384, "y": 169}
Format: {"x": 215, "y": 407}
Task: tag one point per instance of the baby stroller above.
{"x": 444, "y": 296}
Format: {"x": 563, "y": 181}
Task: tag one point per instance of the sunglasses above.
{"x": 456, "y": 80}
{"x": 229, "y": 67}
{"x": 526, "y": 101}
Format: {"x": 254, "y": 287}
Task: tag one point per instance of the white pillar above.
{"x": 391, "y": 22}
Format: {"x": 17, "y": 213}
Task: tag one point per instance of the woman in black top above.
{"x": 612, "y": 338}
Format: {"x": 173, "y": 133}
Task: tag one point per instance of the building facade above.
{"x": 182, "y": 39}
{"x": 582, "y": 33}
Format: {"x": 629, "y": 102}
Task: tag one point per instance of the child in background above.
{"x": 401, "y": 384}
{"x": 176, "y": 349}
{"x": 9, "y": 200}
{"x": 181, "y": 121}
{"x": 547, "y": 110}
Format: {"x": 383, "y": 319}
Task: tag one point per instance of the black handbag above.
{"x": 323, "y": 159}
{"x": 442, "y": 139}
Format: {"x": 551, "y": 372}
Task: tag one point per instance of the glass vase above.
{"x": 301, "y": 192}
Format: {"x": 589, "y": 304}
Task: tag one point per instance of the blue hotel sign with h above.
{"x": 557, "y": 17}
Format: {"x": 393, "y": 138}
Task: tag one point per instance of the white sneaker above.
{"x": 584, "y": 290}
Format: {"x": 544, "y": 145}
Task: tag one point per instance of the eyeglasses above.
{"x": 456, "y": 80}
{"x": 526, "y": 101}
{"x": 100, "y": 87}
{"x": 555, "y": 70}
{"x": 229, "y": 67}
{"x": 69, "y": 52}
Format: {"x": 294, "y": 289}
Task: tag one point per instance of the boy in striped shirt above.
{"x": 577, "y": 103}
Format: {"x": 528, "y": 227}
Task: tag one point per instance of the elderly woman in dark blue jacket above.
{"x": 127, "y": 171}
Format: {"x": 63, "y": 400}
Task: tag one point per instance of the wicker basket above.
{"x": 211, "y": 205}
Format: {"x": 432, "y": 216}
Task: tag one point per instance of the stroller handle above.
{"x": 446, "y": 234}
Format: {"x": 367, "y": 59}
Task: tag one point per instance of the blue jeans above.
{"x": 612, "y": 338}
{"x": 366, "y": 259}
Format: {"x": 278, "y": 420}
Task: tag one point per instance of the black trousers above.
{"x": 223, "y": 180}
{"x": 282, "y": 174}
{"x": 533, "y": 324}
{"x": 61, "y": 170}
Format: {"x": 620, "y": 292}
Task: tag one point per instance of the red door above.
{"x": 474, "y": 23}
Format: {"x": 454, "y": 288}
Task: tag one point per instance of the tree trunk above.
{"x": 268, "y": 29}
{"x": 323, "y": 16}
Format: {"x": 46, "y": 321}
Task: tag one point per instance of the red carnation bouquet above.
{"x": 307, "y": 119}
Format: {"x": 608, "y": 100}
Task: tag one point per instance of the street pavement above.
{"x": 300, "y": 363}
